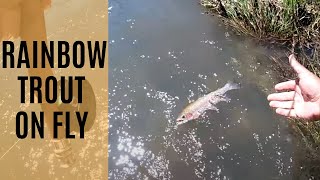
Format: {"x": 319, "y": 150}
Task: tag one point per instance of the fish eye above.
{"x": 183, "y": 116}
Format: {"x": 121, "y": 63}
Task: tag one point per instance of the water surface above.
{"x": 165, "y": 54}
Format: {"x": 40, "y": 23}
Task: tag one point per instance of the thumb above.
{"x": 298, "y": 68}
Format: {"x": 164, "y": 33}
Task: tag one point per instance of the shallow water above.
{"x": 165, "y": 54}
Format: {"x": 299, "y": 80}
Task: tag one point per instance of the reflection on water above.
{"x": 165, "y": 54}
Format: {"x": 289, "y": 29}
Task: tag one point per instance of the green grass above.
{"x": 293, "y": 23}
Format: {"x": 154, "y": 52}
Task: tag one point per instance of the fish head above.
{"x": 184, "y": 117}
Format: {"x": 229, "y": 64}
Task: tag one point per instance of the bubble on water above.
{"x": 201, "y": 76}
{"x": 258, "y": 143}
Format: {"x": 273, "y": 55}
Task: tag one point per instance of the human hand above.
{"x": 301, "y": 98}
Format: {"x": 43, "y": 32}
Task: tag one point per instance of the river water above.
{"x": 165, "y": 54}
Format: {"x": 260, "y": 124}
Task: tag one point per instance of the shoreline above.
{"x": 297, "y": 41}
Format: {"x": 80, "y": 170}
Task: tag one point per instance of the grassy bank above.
{"x": 284, "y": 22}
{"x": 294, "y": 24}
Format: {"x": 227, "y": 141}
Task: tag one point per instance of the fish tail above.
{"x": 229, "y": 86}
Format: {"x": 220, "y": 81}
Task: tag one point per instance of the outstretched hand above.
{"x": 301, "y": 97}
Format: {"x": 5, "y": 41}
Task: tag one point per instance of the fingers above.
{"x": 282, "y": 104}
{"x": 286, "y": 112}
{"x": 298, "y": 68}
{"x": 288, "y": 85}
{"x": 283, "y": 96}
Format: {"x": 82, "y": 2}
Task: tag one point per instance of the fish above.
{"x": 208, "y": 102}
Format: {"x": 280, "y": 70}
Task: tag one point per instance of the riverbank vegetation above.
{"x": 294, "y": 24}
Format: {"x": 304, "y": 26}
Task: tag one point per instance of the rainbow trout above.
{"x": 207, "y": 102}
